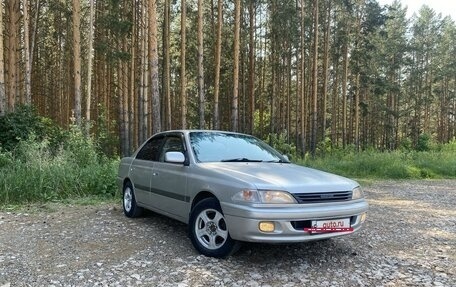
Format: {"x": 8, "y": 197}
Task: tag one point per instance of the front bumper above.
{"x": 243, "y": 221}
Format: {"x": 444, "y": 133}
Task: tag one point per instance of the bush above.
{"x": 18, "y": 125}
{"x": 36, "y": 171}
{"x": 424, "y": 143}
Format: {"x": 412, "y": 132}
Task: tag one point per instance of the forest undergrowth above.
{"x": 40, "y": 162}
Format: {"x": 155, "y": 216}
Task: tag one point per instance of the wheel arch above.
{"x": 126, "y": 180}
{"x": 124, "y": 183}
{"x": 200, "y": 196}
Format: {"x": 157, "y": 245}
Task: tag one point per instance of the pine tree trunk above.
{"x": 89, "y": 62}
{"x": 303, "y": 83}
{"x": 288, "y": 105}
{"x": 235, "y": 99}
{"x": 335, "y": 106}
{"x": 167, "y": 63}
{"x": 356, "y": 107}
{"x": 262, "y": 88}
{"x": 357, "y": 94}
{"x": 142, "y": 107}
{"x": 126, "y": 97}
{"x": 77, "y": 60}
{"x": 153, "y": 61}
{"x": 13, "y": 12}
{"x": 2, "y": 68}
{"x": 273, "y": 66}
{"x": 344, "y": 96}
{"x": 252, "y": 65}
{"x": 35, "y": 32}
{"x": 218, "y": 52}
{"x": 28, "y": 75}
{"x": 200, "y": 66}
{"x": 183, "y": 92}
{"x": 315, "y": 81}
{"x": 133, "y": 116}
{"x": 123, "y": 110}
{"x": 325, "y": 72}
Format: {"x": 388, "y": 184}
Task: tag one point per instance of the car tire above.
{"x": 130, "y": 207}
{"x": 208, "y": 230}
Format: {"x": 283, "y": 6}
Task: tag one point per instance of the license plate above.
{"x": 331, "y": 225}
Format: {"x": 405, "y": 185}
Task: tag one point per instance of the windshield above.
{"x": 226, "y": 147}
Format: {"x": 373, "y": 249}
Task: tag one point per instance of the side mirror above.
{"x": 286, "y": 157}
{"x": 174, "y": 157}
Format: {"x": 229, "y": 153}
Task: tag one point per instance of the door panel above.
{"x": 142, "y": 168}
{"x": 140, "y": 175}
{"x": 169, "y": 188}
{"x": 169, "y": 180}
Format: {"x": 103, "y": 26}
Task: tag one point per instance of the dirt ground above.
{"x": 409, "y": 239}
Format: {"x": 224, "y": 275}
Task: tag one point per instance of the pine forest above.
{"x": 317, "y": 73}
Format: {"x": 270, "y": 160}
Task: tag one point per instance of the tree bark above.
{"x": 167, "y": 63}
{"x": 133, "y": 116}
{"x": 325, "y": 71}
{"x": 77, "y": 60}
{"x": 142, "y": 105}
{"x": 344, "y": 96}
{"x": 13, "y": 12}
{"x": 252, "y": 65}
{"x": 89, "y": 62}
{"x": 235, "y": 99}
{"x": 126, "y": 97}
{"x": 2, "y": 68}
{"x": 28, "y": 75}
{"x": 35, "y": 32}
{"x": 200, "y": 66}
{"x": 315, "y": 81}
{"x": 153, "y": 61}
{"x": 303, "y": 83}
{"x": 218, "y": 52}
{"x": 183, "y": 92}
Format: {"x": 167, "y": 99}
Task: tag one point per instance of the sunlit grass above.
{"x": 35, "y": 173}
{"x": 388, "y": 165}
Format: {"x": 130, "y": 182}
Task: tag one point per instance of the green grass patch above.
{"x": 36, "y": 172}
{"x": 435, "y": 164}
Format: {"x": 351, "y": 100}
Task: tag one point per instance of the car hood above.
{"x": 282, "y": 176}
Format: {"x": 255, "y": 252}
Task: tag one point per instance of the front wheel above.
{"x": 130, "y": 208}
{"x": 208, "y": 230}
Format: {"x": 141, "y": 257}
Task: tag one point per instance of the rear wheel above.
{"x": 130, "y": 208}
{"x": 208, "y": 230}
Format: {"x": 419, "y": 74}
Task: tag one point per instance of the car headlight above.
{"x": 264, "y": 196}
{"x": 357, "y": 193}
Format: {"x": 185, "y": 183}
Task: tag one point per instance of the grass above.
{"x": 371, "y": 164}
{"x": 35, "y": 173}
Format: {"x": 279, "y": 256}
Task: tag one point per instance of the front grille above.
{"x": 316, "y": 197}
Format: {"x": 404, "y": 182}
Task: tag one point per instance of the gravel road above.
{"x": 409, "y": 240}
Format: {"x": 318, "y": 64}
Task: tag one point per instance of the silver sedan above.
{"x": 230, "y": 187}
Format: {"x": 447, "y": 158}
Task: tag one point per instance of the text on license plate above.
{"x": 331, "y": 225}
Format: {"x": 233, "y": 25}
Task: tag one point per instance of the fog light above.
{"x": 266, "y": 226}
{"x": 363, "y": 217}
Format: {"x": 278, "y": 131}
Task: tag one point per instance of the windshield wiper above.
{"x": 278, "y": 161}
{"x": 241, "y": 159}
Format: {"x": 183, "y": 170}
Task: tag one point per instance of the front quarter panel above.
{"x": 220, "y": 185}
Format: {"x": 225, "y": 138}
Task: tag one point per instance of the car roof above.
{"x": 187, "y": 131}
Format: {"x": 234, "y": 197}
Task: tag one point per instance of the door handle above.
{"x": 154, "y": 173}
